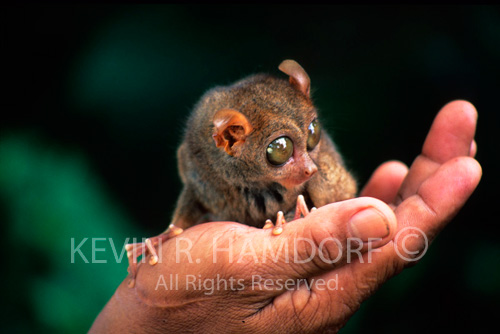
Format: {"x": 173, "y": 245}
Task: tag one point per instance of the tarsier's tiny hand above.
{"x": 301, "y": 210}
{"x": 137, "y": 249}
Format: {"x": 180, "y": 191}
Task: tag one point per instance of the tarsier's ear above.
{"x": 231, "y": 128}
{"x": 298, "y": 76}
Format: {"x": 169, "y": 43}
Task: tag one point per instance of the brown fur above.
{"x": 243, "y": 186}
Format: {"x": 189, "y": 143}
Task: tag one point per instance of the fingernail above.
{"x": 369, "y": 224}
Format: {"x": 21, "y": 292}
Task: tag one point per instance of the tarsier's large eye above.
{"x": 279, "y": 151}
{"x": 314, "y": 135}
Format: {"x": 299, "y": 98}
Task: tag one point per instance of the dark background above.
{"x": 93, "y": 108}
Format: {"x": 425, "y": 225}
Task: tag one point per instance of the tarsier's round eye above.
{"x": 279, "y": 151}
{"x": 314, "y": 135}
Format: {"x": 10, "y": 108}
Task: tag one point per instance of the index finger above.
{"x": 451, "y": 135}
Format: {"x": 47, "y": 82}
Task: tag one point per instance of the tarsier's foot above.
{"x": 137, "y": 249}
{"x": 300, "y": 210}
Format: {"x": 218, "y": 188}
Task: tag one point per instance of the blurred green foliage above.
{"x": 95, "y": 109}
{"x": 53, "y": 201}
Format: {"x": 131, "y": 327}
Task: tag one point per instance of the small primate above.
{"x": 251, "y": 151}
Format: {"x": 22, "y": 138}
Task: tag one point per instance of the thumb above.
{"x": 326, "y": 238}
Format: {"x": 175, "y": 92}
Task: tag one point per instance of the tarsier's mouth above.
{"x": 293, "y": 182}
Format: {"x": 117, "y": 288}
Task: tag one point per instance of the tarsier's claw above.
{"x": 137, "y": 249}
{"x": 300, "y": 210}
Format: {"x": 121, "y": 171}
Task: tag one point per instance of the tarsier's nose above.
{"x": 310, "y": 169}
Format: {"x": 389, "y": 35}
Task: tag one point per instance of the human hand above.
{"x": 427, "y": 197}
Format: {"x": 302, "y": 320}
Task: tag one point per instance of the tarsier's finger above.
{"x": 301, "y": 207}
{"x": 280, "y": 221}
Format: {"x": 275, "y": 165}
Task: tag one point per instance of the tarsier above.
{"x": 254, "y": 150}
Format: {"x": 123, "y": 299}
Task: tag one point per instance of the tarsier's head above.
{"x": 271, "y": 126}
{"x": 267, "y": 128}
